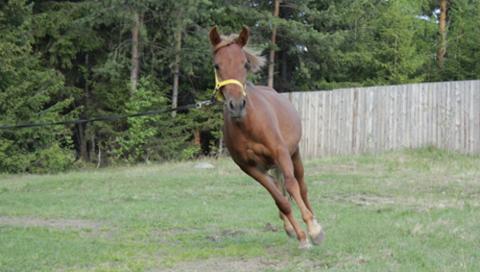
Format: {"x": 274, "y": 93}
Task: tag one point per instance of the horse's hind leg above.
{"x": 277, "y": 176}
{"x": 314, "y": 229}
{"x": 285, "y": 162}
{"x": 299, "y": 175}
{"x": 282, "y": 202}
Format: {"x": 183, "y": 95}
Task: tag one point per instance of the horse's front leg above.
{"x": 280, "y": 200}
{"x": 277, "y": 176}
{"x": 286, "y": 223}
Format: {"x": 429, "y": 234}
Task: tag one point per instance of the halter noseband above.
{"x": 219, "y": 84}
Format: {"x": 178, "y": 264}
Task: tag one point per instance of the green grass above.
{"x": 400, "y": 211}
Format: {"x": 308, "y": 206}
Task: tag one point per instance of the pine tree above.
{"x": 29, "y": 93}
{"x": 463, "y": 41}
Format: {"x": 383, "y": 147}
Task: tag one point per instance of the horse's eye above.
{"x": 247, "y": 66}
{"x": 216, "y": 67}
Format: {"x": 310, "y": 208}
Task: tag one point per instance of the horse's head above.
{"x": 231, "y": 66}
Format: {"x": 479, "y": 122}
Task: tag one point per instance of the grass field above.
{"x": 401, "y": 211}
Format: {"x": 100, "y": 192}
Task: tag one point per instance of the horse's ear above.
{"x": 214, "y": 36}
{"x": 243, "y": 37}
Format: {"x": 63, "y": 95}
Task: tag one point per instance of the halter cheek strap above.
{"x": 219, "y": 84}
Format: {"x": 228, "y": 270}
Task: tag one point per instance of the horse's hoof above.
{"x": 318, "y": 239}
{"x": 305, "y": 245}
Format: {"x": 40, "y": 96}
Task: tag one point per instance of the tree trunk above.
{"x": 82, "y": 127}
{"x": 284, "y": 71}
{"x": 271, "y": 59}
{"x": 99, "y": 156}
{"x": 176, "y": 69}
{"x": 82, "y": 141}
{"x": 91, "y": 154}
{"x": 197, "y": 140}
{"x": 135, "y": 61}
{"x": 442, "y": 45}
{"x": 220, "y": 146}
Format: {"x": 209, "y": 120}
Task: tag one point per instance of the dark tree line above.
{"x": 77, "y": 59}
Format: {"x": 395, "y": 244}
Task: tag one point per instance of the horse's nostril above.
{"x": 244, "y": 102}
{"x": 231, "y": 105}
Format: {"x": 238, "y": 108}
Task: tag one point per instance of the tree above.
{"x": 271, "y": 59}
{"x": 176, "y": 69}
{"x": 461, "y": 63}
{"x": 442, "y": 33}
{"x": 136, "y": 40}
{"x": 29, "y": 93}
{"x": 397, "y": 55}
{"x": 68, "y": 42}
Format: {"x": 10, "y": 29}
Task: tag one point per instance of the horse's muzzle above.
{"x": 237, "y": 107}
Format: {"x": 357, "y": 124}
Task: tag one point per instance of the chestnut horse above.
{"x": 262, "y": 131}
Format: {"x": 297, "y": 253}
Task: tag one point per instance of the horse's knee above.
{"x": 304, "y": 190}
{"x": 290, "y": 183}
{"x": 293, "y": 188}
{"x": 283, "y": 205}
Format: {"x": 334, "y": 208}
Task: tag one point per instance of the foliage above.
{"x": 158, "y": 137}
{"x": 29, "y": 92}
{"x": 135, "y": 142}
{"x": 463, "y": 41}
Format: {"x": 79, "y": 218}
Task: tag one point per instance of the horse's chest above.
{"x": 253, "y": 153}
{"x": 259, "y": 155}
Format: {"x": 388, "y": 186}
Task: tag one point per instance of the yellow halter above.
{"x": 219, "y": 84}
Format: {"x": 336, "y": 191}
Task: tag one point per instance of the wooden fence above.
{"x": 376, "y": 119}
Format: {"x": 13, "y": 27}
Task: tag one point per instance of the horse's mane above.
{"x": 253, "y": 56}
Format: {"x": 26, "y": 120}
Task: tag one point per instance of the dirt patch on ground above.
{"x": 421, "y": 204}
{"x": 365, "y": 200}
{"x": 346, "y": 168}
{"x": 225, "y": 234}
{"x": 76, "y": 224}
{"x": 225, "y": 265}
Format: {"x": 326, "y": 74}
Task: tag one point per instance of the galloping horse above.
{"x": 262, "y": 131}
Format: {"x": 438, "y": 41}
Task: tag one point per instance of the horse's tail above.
{"x": 279, "y": 180}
